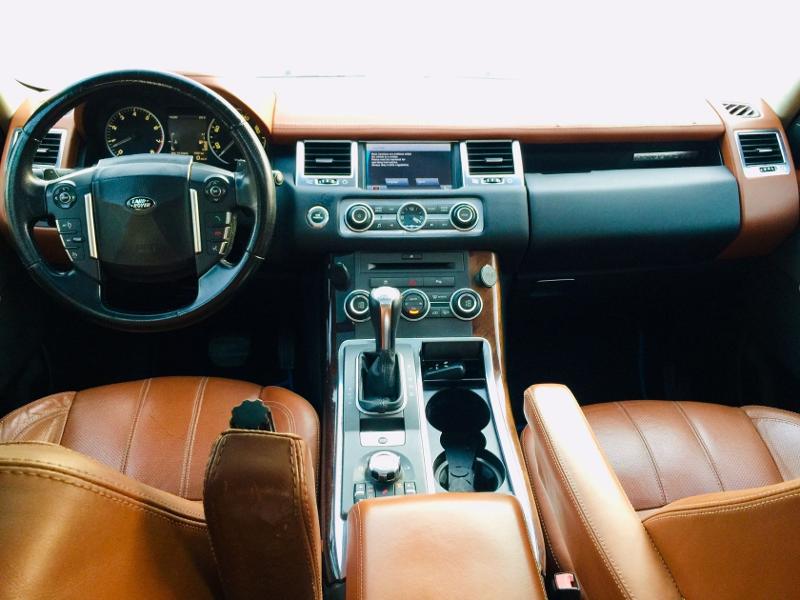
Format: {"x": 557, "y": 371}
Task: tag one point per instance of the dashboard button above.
{"x": 317, "y": 217}
{"x": 76, "y": 254}
{"x": 64, "y": 196}
{"x": 359, "y": 217}
{"x": 466, "y": 304}
{"x": 415, "y": 305}
{"x": 356, "y": 306}
{"x": 218, "y": 219}
{"x": 216, "y": 188}
{"x": 439, "y": 281}
{"x": 464, "y": 216}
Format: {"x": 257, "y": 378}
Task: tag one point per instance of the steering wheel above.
{"x": 143, "y": 219}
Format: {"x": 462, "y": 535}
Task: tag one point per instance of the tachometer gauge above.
{"x": 222, "y": 144}
{"x": 134, "y": 130}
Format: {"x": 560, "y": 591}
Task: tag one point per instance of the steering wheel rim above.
{"x": 29, "y": 199}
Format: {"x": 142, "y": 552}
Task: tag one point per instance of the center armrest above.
{"x": 459, "y": 546}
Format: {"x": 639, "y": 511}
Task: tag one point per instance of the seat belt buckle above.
{"x": 253, "y": 415}
{"x": 564, "y": 586}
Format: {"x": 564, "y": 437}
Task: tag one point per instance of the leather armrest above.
{"x": 601, "y": 530}
{"x": 262, "y": 517}
{"x": 737, "y": 544}
{"x": 71, "y": 527}
{"x": 444, "y": 546}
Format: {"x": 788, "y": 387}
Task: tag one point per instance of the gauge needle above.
{"x": 119, "y": 143}
{"x": 225, "y": 149}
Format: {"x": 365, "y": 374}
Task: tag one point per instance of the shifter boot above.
{"x": 380, "y": 378}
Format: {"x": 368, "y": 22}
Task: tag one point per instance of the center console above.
{"x": 419, "y": 404}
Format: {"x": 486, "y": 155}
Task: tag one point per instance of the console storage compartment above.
{"x": 444, "y": 546}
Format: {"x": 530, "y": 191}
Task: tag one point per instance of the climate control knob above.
{"x": 466, "y": 304}
{"x": 356, "y": 306}
{"x": 415, "y": 305}
{"x": 463, "y": 216}
{"x": 384, "y": 466}
{"x": 359, "y": 217}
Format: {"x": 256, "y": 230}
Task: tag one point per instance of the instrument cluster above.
{"x": 149, "y": 125}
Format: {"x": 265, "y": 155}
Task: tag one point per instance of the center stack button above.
{"x": 359, "y": 217}
{"x": 415, "y": 305}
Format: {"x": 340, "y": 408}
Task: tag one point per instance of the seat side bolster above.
{"x": 745, "y": 542}
{"x": 608, "y": 546}
{"x": 93, "y": 530}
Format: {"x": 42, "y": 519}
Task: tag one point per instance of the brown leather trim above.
{"x": 770, "y": 205}
{"x": 50, "y": 247}
{"x": 730, "y": 545}
{"x": 444, "y": 546}
{"x": 94, "y": 531}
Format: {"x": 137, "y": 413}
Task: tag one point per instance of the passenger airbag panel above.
{"x": 631, "y": 218}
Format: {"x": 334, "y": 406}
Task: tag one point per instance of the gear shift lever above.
{"x": 380, "y": 377}
{"x": 384, "y": 309}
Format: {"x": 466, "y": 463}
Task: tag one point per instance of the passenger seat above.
{"x": 656, "y": 499}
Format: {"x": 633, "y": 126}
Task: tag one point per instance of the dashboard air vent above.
{"x": 49, "y": 151}
{"x": 332, "y": 159}
{"x": 490, "y": 158}
{"x": 761, "y": 148}
{"x": 741, "y": 110}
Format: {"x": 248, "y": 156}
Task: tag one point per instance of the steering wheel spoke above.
{"x": 213, "y": 196}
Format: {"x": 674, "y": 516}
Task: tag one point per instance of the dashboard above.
{"x": 479, "y": 166}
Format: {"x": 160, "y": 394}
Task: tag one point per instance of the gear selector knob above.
{"x": 384, "y": 308}
{"x": 384, "y": 466}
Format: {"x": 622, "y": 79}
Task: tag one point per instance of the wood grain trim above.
{"x": 770, "y": 205}
{"x": 489, "y": 325}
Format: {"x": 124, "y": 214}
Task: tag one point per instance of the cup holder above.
{"x": 465, "y": 465}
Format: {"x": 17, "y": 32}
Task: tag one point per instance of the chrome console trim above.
{"x": 497, "y": 401}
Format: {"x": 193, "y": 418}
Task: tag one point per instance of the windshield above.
{"x": 562, "y": 47}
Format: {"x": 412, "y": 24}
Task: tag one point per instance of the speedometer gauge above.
{"x": 221, "y": 142}
{"x": 134, "y": 130}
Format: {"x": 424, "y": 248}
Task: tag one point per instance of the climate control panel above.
{"x": 387, "y": 217}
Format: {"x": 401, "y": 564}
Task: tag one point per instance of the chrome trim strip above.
{"x": 516, "y": 155}
{"x": 300, "y": 176}
{"x": 90, "y": 232}
{"x": 198, "y": 238}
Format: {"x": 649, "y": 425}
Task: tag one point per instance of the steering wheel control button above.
{"x": 464, "y": 216}
{"x": 218, "y": 219}
{"x": 216, "y": 188}
{"x": 415, "y": 305}
{"x": 72, "y": 240}
{"x": 76, "y": 254}
{"x": 359, "y": 217}
{"x": 466, "y": 304}
{"x": 412, "y": 216}
{"x": 68, "y": 225}
{"x": 356, "y": 306}
{"x": 317, "y": 217}
{"x": 64, "y": 196}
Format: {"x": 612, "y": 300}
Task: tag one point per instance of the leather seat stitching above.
{"x": 43, "y": 418}
{"x": 285, "y": 411}
{"x": 694, "y": 512}
{"x": 108, "y": 496}
{"x": 776, "y": 458}
{"x": 69, "y": 411}
{"x": 298, "y": 447}
{"x": 70, "y": 470}
{"x": 539, "y": 514}
{"x": 296, "y": 503}
{"x": 648, "y": 449}
{"x": 706, "y": 452}
{"x": 596, "y": 539}
{"x": 210, "y": 505}
{"x": 142, "y": 395}
{"x": 187, "y": 455}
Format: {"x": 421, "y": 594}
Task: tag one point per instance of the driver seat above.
{"x": 119, "y": 470}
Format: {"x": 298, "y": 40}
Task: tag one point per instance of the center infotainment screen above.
{"x": 409, "y": 165}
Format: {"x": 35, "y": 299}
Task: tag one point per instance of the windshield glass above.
{"x": 561, "y": 47}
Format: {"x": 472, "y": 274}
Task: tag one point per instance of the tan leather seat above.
{"x": 157, "y": 431}
{"x": 99, "y": 494}
{"x": 655, "y": 499}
